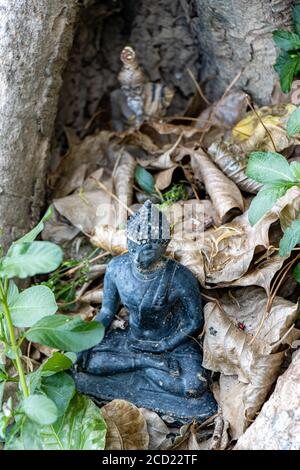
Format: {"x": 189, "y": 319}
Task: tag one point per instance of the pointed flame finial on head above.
{"x": 131, "y": 73}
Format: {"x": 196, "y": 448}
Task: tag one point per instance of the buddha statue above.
{"x": 156, "y": 362}
{"x": 137, "y": 99}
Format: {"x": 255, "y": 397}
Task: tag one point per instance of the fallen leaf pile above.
{"x": 195, "y": 171}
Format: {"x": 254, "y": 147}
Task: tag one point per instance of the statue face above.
{"x": 145, "y": 255}
{"x": 133, "y": 91}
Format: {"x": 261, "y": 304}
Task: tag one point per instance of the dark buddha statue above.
{"x": 156, "y": 362}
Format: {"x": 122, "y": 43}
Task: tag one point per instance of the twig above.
{"x": 104, "y": 188}
{"x": 272, "y": 295}
{"x": 197, "y": 86}
{"x": 218, "y": 431}
{"x": 261, "y": 121}
{"x": 214, "y": 109}
{"x": 81, "y": 265}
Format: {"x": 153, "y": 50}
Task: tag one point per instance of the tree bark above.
{"x": 237, "y": 34}
{"x": 35, "y": 36}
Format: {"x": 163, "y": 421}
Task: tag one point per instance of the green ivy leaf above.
{"x": 28, "y": 259}
{"x": 293, "y": 124}
{"x": 65, "y": 333}
{"x": 286, "y": 40}
{"x": 40, "y": 409}
{"x": 264, "y": 201}
{"x": 287, "y": 66}
{"x": 290, "y": 239}
{"x": 296, "y": 18}
{"x": 31, "y": 305}
{"x": 31, "y": 236}
{"x": 269, "y": 167}
{"x": 144, "y": 179}
{"x": 60, "y": 388}
{"x": 80, "y": 428}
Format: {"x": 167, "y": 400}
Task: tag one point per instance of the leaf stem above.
{"x": 13, "y": 342}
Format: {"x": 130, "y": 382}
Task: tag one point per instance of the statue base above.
{"x": 134, "y": 387}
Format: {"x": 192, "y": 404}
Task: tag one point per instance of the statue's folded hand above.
{"x": 149, "y": 346}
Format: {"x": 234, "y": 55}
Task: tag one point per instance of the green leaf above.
{"x": 286, "y": 40}
{"x": 293, "y": 125}
{"x": 12, "y": 294}
{"x": 40, "y": 409}
{"x": 60, "y": 388}
{"x": 31, "y": 305}
{"x": 28, "y": 259}
{"x": 296, "y": 272}
{"x": 290, "y": 239}
{"x": 144, "y": 179}
{"x": 81, "y": 428}
{"x": 287, "y": 66}
{"x": 68, "y": 334}
{"x": 31, "y": 236}
{"x": 269, "y": 167}
{"x": 295, "y": 168}
{"x": 264, "y": 201}
{"x": 58, "y": 362}
{"x": 296, "y": 18}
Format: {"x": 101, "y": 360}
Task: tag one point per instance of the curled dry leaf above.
{"x": 225, "y": 195}
{"x": 163, "y": 179}
{"x": 230, "y": 325}
{"x": 110, "y": 239}
{"x": 123, "y": 176}
{"x": 278, "y": 425}
{"x": 126, "y": 426}
{"x": 157, "y": 429}
{"x": 225, "y": 113}
{"x": 251, "y": 134}
{"x": 291, "y": 211}
{"x": 233, "y": 161}
{"x": 260, "y": 275}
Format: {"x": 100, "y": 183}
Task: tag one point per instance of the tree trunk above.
{"x": 35, "y": 37}
{"x": 237, "y": 35}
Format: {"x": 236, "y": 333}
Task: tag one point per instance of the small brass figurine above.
{"x": 156, "y": 362}
{"x": 137, "y": 99}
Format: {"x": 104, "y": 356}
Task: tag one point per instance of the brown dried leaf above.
{"x": 163, "y": 179}
{"x": 233, "y": 161}
{"x": 251, "y": 134}
{"x": 82, "y": 155}
{"x": 110, "y": 239}
{"x": 156, "y": 427}
{"x": 227, "y": 348}
{"x": 225, "y": 195}
{"x": 126, "y": 426}
{"x": 278, "y": 426}
{"x": 224, "y": 113}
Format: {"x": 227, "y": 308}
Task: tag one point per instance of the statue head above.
{"x": 148, "y": 235}
{"x": 131, "y": 76}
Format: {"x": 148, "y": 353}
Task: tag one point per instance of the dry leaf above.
{"x": 277, "y": 427}
{"x": 224, "y": 113}
{"x": 156, "y": 427}
{"x": 163, "y": 179}
{"x": 225, "y": 195}
{"x": 251, "y": 134}
{"x": 126, "y": 426}
{"x": 230, "y": 325}
{"x": 89, "y": 152}
{"x": 111, "y": 240}
{"x": 233, "y": 161}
